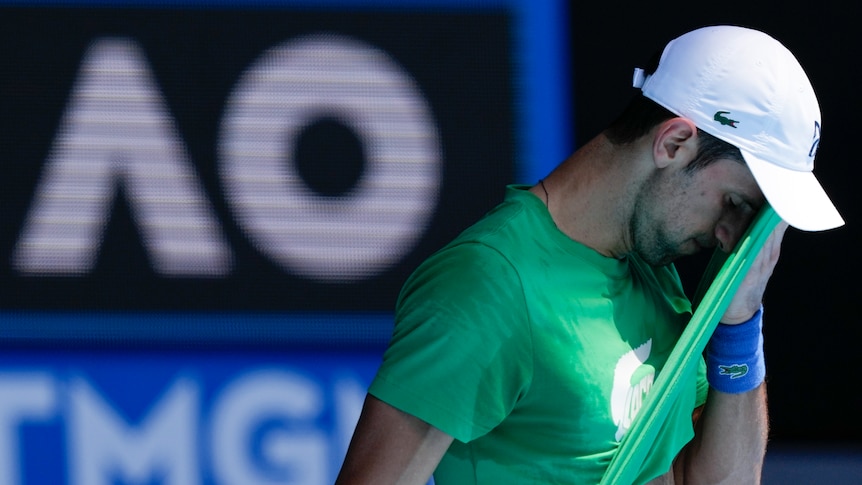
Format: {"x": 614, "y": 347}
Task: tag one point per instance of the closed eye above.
{"x": 736, "y": 203}
{"x": 733, "y": 201}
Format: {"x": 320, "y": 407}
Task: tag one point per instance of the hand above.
{"x": 749, "y": 296}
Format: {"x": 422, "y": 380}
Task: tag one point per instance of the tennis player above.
{"x": 523, "y": 349}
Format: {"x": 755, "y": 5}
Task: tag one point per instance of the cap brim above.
{"x": 796, "y": 196}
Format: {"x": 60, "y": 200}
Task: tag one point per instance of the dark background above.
{"x": 812, "y": 329}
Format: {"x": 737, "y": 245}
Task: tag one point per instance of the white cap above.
{"x": 744, "y": 87}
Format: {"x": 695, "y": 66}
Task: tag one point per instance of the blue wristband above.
{"x": 734, "y": 358}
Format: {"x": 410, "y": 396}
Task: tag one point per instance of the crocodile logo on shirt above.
{"x": 735, "y": 371}
{"x": 632, "y": 382}
{"x": 724, "y": 120}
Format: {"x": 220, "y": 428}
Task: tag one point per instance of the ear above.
{"x": 675, "y": 142}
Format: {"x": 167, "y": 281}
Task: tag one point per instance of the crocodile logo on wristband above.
{"x": 735, "y": 371}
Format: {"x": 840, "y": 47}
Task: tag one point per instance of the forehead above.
{"x": 731, "y": 176}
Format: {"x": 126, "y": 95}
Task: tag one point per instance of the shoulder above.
{"x": 469, "y": 270}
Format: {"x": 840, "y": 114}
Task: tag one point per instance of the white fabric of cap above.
{"x": 744, "y": 87}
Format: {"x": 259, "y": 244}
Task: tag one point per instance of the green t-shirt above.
{"x": 534, "y": 351}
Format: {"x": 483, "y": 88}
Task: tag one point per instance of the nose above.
{"x": 730, "y": 228}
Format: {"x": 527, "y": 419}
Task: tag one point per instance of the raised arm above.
{"x": 730, "y": 439}
{"x": 391, "y": 447}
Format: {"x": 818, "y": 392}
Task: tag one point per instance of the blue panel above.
{"x": 179, "y": 417}
{"x": 287, "y": 331}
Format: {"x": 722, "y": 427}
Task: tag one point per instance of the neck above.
{"x": 591, "y": 195}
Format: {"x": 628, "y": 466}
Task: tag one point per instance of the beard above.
{"x": 653, "y": 244}
{"x": 656, "y": 226}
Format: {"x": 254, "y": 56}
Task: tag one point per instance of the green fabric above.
{"x": 630, "y": 464}
{"x": 527, "y": 347}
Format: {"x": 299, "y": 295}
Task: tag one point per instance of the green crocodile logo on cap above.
{"x": 724, "y": 120}
{"x": 734, "y": 371}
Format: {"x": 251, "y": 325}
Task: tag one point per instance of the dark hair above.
{"x": 639, "y": 117}
{"x": 642, "y": 114}
{"x": 710, "y": 149}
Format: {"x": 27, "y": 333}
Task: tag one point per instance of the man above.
{"x": 522, "y": 350}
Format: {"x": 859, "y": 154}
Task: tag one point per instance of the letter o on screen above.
{"x": 351, "y": 236}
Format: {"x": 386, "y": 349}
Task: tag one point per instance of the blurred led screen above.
{"x": 281, "y": 158}
{"x": 207, "y": 210}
